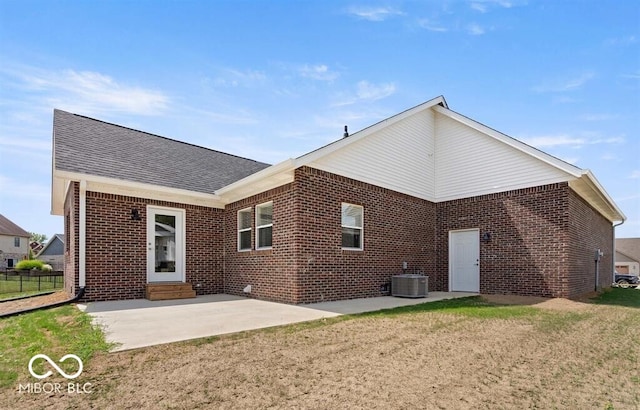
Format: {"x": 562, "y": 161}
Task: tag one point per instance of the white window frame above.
{"x": 361, "y": 228}
{"x": 240, "y": 230}
{"x": 16, "y": 242}
{"x": 259, "y": 227}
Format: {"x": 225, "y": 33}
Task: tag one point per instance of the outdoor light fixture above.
{"x": 486, "y": 237}
{"x": 135, "y": 215}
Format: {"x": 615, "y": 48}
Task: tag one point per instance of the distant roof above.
{"x": 88, "y": 146}
{"x": 9, "y": 228}
{"x": 629, "y": 247}
{"x": 57, "y": 238}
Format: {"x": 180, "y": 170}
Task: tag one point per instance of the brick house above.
{"x": 427, "y": 188}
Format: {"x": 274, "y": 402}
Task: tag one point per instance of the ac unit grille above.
{"x": 410, "y": 286}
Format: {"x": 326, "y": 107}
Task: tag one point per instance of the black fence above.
{"x": 31, "y": 281}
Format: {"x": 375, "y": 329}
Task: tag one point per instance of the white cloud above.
{"x": 374, "y": 13}
{"x": 622, "y": 41}
{"x": 24, "y": 190}
{"x": 373, "y": 92}
{"x": 570, "y": 84}
{"x": 634, "y": 76}
{"x": 318, "y": 72}
{"x": 475, "y": 29}
{"x": 29, "y": 144}
{"x": 635, "y": 174}
{"x": 88, "y": 91}
{"x": 432, "y": 26}
{"x": 231, "y": 77}
{"x": 366, "y": 91}
{"x": 483, "y": 6}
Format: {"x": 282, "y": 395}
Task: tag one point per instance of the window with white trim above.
{"x": 264, "y": 225}
{"x": 352, "y": 226}
{"x": 244, "y": 229}
{"x": 16, "y": 242}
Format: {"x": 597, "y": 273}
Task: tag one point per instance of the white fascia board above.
{"x": 356, "y": 136}
{"x": 253, "y": 184}
{"x": 512, "y": 142}
{"x": 599, "y": 190}
{"x": 135, "y": 189}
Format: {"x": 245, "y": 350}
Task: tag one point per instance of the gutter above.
{"x": 52, "y": 305}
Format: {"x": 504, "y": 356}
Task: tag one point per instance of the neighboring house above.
{"x": 628, "y": 256}
{"x": 53, "y": 252}
{"x": 36, "y": 247}
{"x": 14, "y": 243}
{"x": 427, "y": 188}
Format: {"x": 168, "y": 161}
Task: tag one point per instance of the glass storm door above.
{"x": 165, "y": 245}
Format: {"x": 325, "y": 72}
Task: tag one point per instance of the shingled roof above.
{"x": 88, "y": 146}
{"x": 10, "y": 229}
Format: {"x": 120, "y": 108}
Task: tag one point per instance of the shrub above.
{"x": 29, "y": 264}
{"x": 46, "y": 267}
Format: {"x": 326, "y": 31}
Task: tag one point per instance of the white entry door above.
{"x": 165, "y": 244}
{"x": 464, "y": 261}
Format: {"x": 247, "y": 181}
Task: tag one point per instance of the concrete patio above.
{"x": 139, "y": 323}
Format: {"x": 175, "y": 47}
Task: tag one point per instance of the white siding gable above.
{"x": 399, "y": 157}
{"x": 469, "y": 163}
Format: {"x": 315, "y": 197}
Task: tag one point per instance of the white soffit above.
{"x": 127, "y": 188}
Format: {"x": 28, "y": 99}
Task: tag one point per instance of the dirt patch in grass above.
{"x": 562, "y": 355}
{"x": 559, "y": 304}
{"x": 31, "y": 302}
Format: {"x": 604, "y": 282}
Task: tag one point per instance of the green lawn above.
{"x": 11, "y": 286}
{"x": 54, "y": 332}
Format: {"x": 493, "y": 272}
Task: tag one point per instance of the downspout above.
{"x": 613, "y": 253}
{"x": 82, "y": 237}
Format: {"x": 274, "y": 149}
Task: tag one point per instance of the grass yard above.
{"x": 470, "y": 353}
{"x": 11, "y": 286}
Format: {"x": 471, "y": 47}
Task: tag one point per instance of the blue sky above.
{"x": 270, "y": 80}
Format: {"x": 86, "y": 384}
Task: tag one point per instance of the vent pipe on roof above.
{"x": 346, "y": 132}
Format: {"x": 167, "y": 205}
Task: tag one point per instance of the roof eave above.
{"x": 598, "y": 196}
{"x": 268, "y": 178}
{"x": 61, "y": 180}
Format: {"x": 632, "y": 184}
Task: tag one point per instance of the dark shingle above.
{"x": 10, "y": 229}
{"x": 94, "y": 147}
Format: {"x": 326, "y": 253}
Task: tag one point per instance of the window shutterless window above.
{"x": 16, "y": 242}
{"x": 352, "y": 226}
{"x": 244, "y": 229}
{"x": 264, "y": 225}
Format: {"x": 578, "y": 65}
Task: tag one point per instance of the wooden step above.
{"x": 169, "y": 290}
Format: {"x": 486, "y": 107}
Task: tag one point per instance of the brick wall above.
{"x": 542, "y": 242}
{"x": 588, "y": 231}
{"x": 397, "y": 228}
{"x": 527, "y": 252}
{"x": 306, "y": 263}
{"x": 271, "y": 273}
{"x": 116, "y": 255}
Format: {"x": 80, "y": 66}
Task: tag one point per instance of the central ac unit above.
{"x": 410, "y": 286}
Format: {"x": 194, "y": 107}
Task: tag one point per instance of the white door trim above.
{"x": 451, "y": 258}
{"x": 180, "y": 264}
